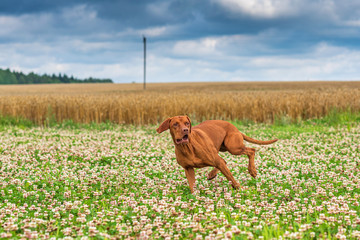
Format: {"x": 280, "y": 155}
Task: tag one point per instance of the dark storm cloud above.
{"x": 193, "y": 18}
{"x": 200, "y": 17}
{"x": 18, "y": 7}
{"x": 202, "y": 39}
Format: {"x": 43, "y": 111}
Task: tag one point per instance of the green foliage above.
{"x": 7, "y": 121}
{"x": 286, "y": 128}
{"x": 8, "y": 77}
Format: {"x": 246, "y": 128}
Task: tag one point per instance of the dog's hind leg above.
{"x": 250, "y": 152}
{"x": 234, "y": 144}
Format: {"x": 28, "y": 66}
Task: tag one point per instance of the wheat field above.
{"x": 130, "y": 104}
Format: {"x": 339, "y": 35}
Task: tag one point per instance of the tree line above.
{"x": 13, "y": 77}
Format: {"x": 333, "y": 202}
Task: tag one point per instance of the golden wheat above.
{"x": 259, "y": 102}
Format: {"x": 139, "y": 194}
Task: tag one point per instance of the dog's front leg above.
{"x": 190, "y": 175}
{"x": 221, "y": 165}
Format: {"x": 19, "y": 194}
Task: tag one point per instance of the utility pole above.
{"x": 144, "y": 39}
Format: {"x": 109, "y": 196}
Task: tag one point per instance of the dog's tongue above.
{"x": 184, "y": 139}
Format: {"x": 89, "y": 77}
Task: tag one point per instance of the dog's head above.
{"x": 180, "y": 128}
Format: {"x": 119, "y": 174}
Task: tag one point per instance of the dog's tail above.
{"x": 259, "y": 142}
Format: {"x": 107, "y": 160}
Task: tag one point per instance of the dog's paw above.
{"x": 235, "y": 185}
{"x": 212, "y": 174}
{"x": 252, "y": 172}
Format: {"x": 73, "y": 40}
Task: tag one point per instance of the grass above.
{"x": 287, "y": 128}
{"x": 105, "y": 181}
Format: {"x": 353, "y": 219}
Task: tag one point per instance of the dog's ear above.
{"x": 189, "y": 121}
{"x": 164, "y": 126}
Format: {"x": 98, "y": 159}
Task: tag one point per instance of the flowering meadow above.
{"x": 123, "y": 182}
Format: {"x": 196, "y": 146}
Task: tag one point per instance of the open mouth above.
{"x": 185, "y": 139}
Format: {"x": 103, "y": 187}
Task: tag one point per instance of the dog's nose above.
{"x": 185, "y": 130}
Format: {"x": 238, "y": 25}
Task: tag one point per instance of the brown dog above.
{"x": 198, "y": 146}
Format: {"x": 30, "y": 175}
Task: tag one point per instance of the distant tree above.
{"x": 32, "y": 78}
{"x": 21, "y": 79}
{"x": 8, "y": 77}
{"x": 66, "y": 79}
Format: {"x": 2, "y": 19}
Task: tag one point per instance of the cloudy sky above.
{"x": 188, "y": 40}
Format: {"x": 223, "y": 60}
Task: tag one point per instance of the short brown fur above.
{"x": 198, "y": 146}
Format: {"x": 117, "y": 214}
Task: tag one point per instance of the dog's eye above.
{"x": 187, "y": 124}
{"x": 175, "y": 124}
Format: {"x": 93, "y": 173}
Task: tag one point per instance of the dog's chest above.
{"x": 192, "y": 156}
